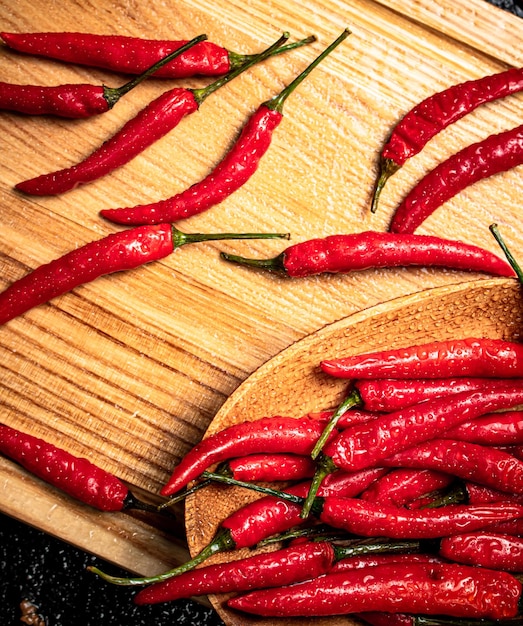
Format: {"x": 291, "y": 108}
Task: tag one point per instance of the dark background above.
{"x": 51, "y": 574}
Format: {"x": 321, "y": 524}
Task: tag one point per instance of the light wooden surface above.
{"x": 131, "y": 369}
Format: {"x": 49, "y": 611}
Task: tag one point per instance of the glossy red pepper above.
{"x": 265, "y": 435}
{"x": 495, "y": 154}
{"x": 374, "y": 249}
{"x": 402, "y": 486}
{"x": 114, "y": 253}
{"x": 435, "y": 113}
{"x": 129, "y": 55}
{"x": 477, "y": 493}
{"x": 402, "y": 619}
{"x": 493, "y": 429}
{"x": 153, "y": 122}
{"x": 77, "y": 477}
{"x": 258, "y": 520}
{"x": 235, "y": 169}
{"x": 470, "y": 461}
{"x": 265, "y": 467}
{"x": 434, "y": 588}
{"x": 471, "y": 356}
{"x": 75, "y": 100}
{"x": 369, "y": 444}
{"x": 485, "y": 549}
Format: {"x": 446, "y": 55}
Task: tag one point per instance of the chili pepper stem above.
{"x": 201, "y": 94}
{"x": 387, "y": 168}
{"x": 237, "y": 60}
{"x": 273, "y": 265}
{"x": 276, "y": 103}
{"x": 324, "y": 468}
{"x": 510, "y": 258}
{"x": 221, "y": 542}
{"x": 354, "y": 399}
{"x": 113, "y": 94}
{"x": 180, "y": 239}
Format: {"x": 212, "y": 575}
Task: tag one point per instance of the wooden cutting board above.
{"x": 130, "y": 369}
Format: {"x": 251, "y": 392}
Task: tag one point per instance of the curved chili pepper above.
{"x": 75, "y": 101}
{"x": 153, "y": 122}
{"x": 495, "y": 154}
{"x": 435, "y": 113}
{"x": 370, "y": 444}
{"x": 470, "y": 461}
{"x": 77, "y": 477}
{"x": 233, "y": 171}
{"x": 266, "y": 435}
{"x": 434, "y": 588}
{"x": 486, "y": 549}
{"x": 131, "y": 55}
{"x": 114, "y": 253}
{"x": 404, "y": 485}
{"x": 471, "y": 356}
{"x": 257, "y": 520}
{"x": 373, "y": 249}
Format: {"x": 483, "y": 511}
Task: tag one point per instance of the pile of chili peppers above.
{"x": 401, "y": 506}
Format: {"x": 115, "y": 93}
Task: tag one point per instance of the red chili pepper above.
{"x": 401, "y": 619}
{"x": 482, "y": 494}
{"x": 130, "y": 55}
{"x": 435, "y": 113}
{"x": 481, "y": 464}
{"x": 372, "y": 560}
{"x": 257, "y": 520}
{"x": 492, "y": 429}
{"x": 265, "y": 467}
{"x": 456, "y": 357}
{"x": 77, "y": 477}
{"x": 369, "y": 444}
{"x": 72, "y": 100}
{"x": 391, "y": 394}
{"x": 154, "y": 121}
{"x": 495, "y": 154}
{"x": 266, "y": 435}
{"x": 373, "y": 249}
{"x": 404, "y": 485}
{"x": 282, "y": 567}
{"x": 435, "y": 588}
{"x": 485, "y": 549}
{"x": 115, "y": 252}
{"x": 235, "y": 169}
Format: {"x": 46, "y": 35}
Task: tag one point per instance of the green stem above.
{"x": 276, "y": 103}
{"x": 388, "y": 167}
{"x": 324, "y": 467}
{"x": 267, "y": 491}
{"x": 237, "y": 60}
{"x": 222, "y": 542}
{"x": 354, "y": 399}
{"x": 180, "y": 239}
{"x": 222, "y": 469}
{"x": 515, "y": 266}
{"x": 275, "y": 264}
{"x": 204, "y": 92}
{"x": 113, "y": 94}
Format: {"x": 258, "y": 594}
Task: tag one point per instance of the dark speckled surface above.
{"x": 52, "y": 575}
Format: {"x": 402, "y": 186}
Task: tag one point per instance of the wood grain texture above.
{"x": 131, "y": 369}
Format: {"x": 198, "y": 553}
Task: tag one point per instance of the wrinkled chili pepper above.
{"x": 471, "y": 356}
{"x": 153, "y": 122}
{"x": 116, "y": 252}
{"x": 77, "y": 477}
{"x": 257, "y": 520}
{"x": 485, "y": 549}
{"x": 497, "y": 153}
{"x": 373, "y": 249}
{"x": 131, "y": 55}
{"x": 72, "y": 100}
{"x": 434, "y": 588}
{"x": 266, "y": 435}
{"x": 485, "y": 465}
{"x": 435, "y": 113}
{"x": 233, "y": 171}
{"x": 369, "y": 444}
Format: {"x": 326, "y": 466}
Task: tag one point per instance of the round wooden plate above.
{"x": 292, "y": 384}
